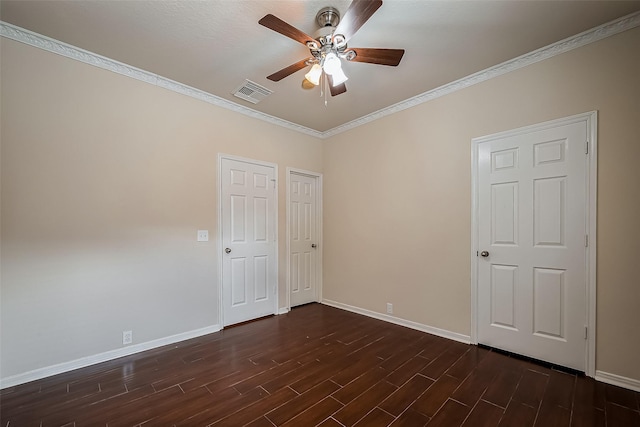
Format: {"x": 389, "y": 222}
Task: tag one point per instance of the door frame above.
{"x": 591, "y": 121}
{"x": 318, "y": 178}
{"x": 219, "y": 243}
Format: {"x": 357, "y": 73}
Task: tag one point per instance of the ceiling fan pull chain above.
{"x": 326, "y": 80}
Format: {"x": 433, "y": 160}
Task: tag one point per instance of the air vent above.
{"x": 252, "y": 92}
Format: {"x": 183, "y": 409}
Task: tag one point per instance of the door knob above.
{"x": 228, "y": 250}
{"x": 484, "y": 254}
{"x": 313, "y": 245}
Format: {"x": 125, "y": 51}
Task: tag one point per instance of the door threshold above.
{"x": 304, "y": 304}
{"x": 247, "y": 321}
{"x": 544, "y": 363}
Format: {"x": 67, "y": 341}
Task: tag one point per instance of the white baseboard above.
{"x": 283, "y": 310}
{"x": 618, "y": 380}
{"x": 402, "y": 322}
{"x": 83, "y": 362}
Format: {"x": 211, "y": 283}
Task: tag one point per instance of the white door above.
{"x": 303, "y": 238}
{"x": 249, "y": 265}
{"x": 532, "y": 275}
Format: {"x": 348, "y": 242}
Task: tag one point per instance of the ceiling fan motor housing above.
{"x": 328, "y": 17}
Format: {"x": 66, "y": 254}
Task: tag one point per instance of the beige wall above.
{"x": 397, "y": 206}
{"x": 105, "y": 181}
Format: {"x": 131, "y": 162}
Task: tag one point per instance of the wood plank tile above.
{"x": 313, "y": 379}
{"x": 215, "y": 382}
{"x": 451, "y": 414}
{"x": 432, "y": 399}
{"x": 617, "y": 415}
{"x": 468, "y": 362}
{"x": 324, "y": 366}
{"x": 208, "y": 409}
{"x": 103, "y": 409}
{"x": 484, "y": 415}
{"x": 260, "y": 422}
{"x": 406, "y": 395}
{"x": 621, "y": 397}
{"x": 299, "y": 373}
{"x": 358, "y": 386}
{"x": 145, "y": 409}
{"x": 360, "y": 406}
{"x": 531, "y": 388}
{"x": 551, "y": 415}
{"x": 434, "y": 347}
{"x": 253, "y": 411}
{"x": 474, "y": 386}
{"x": 589, "y": 393}
{"x": 301, "y": 403}
{"x": 502, "y": 387}
{"x": 329, "y": 367}
{"x": 518, "y": 415}
{"x": 411, "y": 418}
{"x": 400, "y": 358}
{"x": 266, "y": 376}
{"x": 560, "y": 390}
{"x": 375, "y": 418}
{"x": 408, "y": 370}
{"x": 442, "y": 363}
{"x": 358, "y": 368}
{"x": 329, "y": 422}
{"x": 588, "y": 416}
{"x": 316, "y": 414}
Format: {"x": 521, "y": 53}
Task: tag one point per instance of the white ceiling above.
{"x": 215, "y": 45}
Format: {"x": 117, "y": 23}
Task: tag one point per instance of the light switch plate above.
{"x": 203, "y": 235}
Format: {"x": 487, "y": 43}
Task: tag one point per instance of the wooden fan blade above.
{"x": 279, "y": 26}
{"x": 357, "y": 14}
{"x": 390, "y": 57}
{"x": 279, "y": 75}
{"x": 335, "y": 90}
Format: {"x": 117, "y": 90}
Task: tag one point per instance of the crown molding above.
{"x": 22, "y": 35}
{"x": 603, "y": 31}
{"x": 590, "y": 36}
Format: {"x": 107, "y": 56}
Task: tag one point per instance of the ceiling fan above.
{"x": 329, "y": 46}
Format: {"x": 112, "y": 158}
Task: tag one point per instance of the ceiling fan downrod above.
{"x": 327, "y": 44}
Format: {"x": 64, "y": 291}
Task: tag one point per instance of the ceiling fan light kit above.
{"x": 331, "y": 63}
{"x": 314, "y": 74}
{"x": 329, "y": 46}
{"x": 338, "y": 77}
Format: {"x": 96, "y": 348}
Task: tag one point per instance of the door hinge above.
{"x": 586, "y": 240}
{"x": 274, "y": 183}
{"x": 586, "y": 147}
{"x": 586, "y": 332}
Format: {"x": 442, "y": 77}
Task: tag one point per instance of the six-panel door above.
{"x": 303, "y": 257}
{"x": 532, "y": 222}
{"x": 249, "y": 241}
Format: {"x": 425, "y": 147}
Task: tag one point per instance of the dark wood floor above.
{"x": 318, "y": 366}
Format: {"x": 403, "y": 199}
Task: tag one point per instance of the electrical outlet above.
{"x": 389, "y": 308}
{"x": 203, "y": 235}
{"x": 127, "y": 337}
